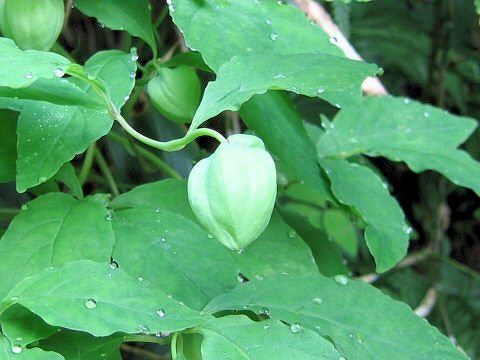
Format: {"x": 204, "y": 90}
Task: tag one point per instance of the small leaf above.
{"x": 131, "y": 16}
{"x": 357, "y": 186}
{"x": 14, "y": 352}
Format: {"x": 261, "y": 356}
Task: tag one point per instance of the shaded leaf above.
{"x": 8, "y": 145}
{"x": 131, "y": 16}
{"x": 357, "y": 186}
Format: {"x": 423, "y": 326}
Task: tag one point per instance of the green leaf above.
{"x": 425, "y": 137}
{"x": 23, "y": 327}
{"x": 362, "y": 322}
{"x": 53, "y": 229}
{"x": 8, "y": 145}
{"x": 91, "y": 297}
{"x": 50, "y": 135}
{"x": 273, "y": 117}
{"x": 239, "y": 27}
{"x": 67, "y": 175}
{"x": 6, "y": 352}
{"x": 238, "y": 337}
{"x": 158, "y": 238}
{"x": 357, "y": 186}
{"x": 131, "y": 16}
{"x": 477, "y": 7}
{"x": 332, "y": 78}
{"x": 82, "y": 346}
{"x": 22, "y": 68}
{"x": 339, "y": 227}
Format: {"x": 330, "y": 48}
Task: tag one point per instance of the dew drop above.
{"x": 333, "y": 40}
{"x": 240, "y": 252}
{"x": 17, "y": 349}
{"x": 162, "y": 334}
{"x": 161, "y": 312}
{"x": 320, "y": 90}
{"x": 134, "y": 57}
{"x": 210, "y": 236}
{"x": 163, "y": 239}
{"x": 426, "y": 114}
{"x": 109, "y": 216}
{"x": 259, "y": 277}
{"x": 279, "y": 76}
{"x": 126, "y": 97}
{"x": 408, "y": 230}
{"x": 90, "y": 304}
{"x": 273, "y": 36}
{"x": 240, "y": 278}
{"x": 59, "y": 72}
{"x": 42, "y": 179}
{"x": 317, "y": 300}
{"x": 268, "y": 21}
{"x": 296, "y": 328}
{"x": 406, "y": 101}
{"x": 144, "y": 329}
{"x": 113, "y": 264}
{"x": 264, "y": 311}
{"x": 224, "y": 353}
{"x": 341, "y": 279}
{"x": 140, "y": 278}
{"x": 338, "y": 106}
{"x": 265, "y": 327}
{"x": 291, "y": 233}
{"x": 133, "y": 74}
{"x": 24, "y": 207}
{"x": 28, "y": 75}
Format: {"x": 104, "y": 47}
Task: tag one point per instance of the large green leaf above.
{"x": 8, "y": 145}
{"x": 23, "y": 327}
{"x": 22, "y": 68}
{"x": 50, "y": 135}
{"x": 13, "y": 352}
{"x": 132, "y": 16}
{"x": 92, "y": 297}
{"x": 158, "y": 238}
{"x": 423, "y": 136}
{"x": 82, "y": 346}
{"x": 53, "y": 229}
{"x": 239, "y": 27}
{"x": 272, "y": 116}
{"x": 362, "y": 322}
{"x": 357, "y": 186}
{"x": 238, "y": 337}
{"x": 329, "y": 77}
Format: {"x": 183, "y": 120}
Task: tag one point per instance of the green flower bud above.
{"x": 175, "y": 93}
{"x": 32, "y": 24}
{"x": 232, "y": 192}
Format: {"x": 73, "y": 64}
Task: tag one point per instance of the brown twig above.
{"x": 315, "y": 12}
{"x": 427, "y": 304}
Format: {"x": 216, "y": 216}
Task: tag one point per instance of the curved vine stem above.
{"x": 172, "y": 145}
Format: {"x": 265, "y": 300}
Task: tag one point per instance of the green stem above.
{"x": 140, "y": 150}
{"x": 172, "y": 145}
{"x": 106, "y": 172}
{"x": 87, "y": 164}
{"x": 8, "y": 212}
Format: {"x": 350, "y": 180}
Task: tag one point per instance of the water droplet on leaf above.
{"x": 161, "y": 312}
{"x": 333, "y": 40}
{"x": 113, "y": 264}
{"x": 144, "y": 329}
{"x": 273, "y": 36}
{"x": 264, "y": 311}
{"x": 341, "y": 279}
{"x": 29, "y": 75}
{"x": 320, "y": 90}
{"x": 317, "y": 300}
{"x": 296, "y": 328}
{"x": 90, "y": 304}
{"x": 17, "y": 349}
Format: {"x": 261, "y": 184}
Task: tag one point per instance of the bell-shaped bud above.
{"x": 232, "y": 192}
{"x": 175, "y": 93}
{"x": 33, "y": 25}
